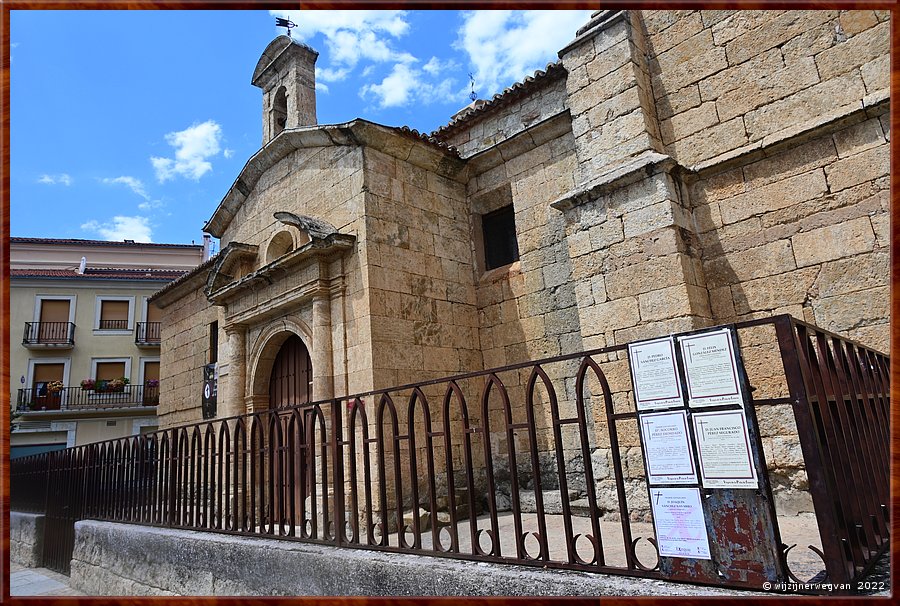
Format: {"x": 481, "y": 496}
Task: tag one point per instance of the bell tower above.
{"x": 286, "y": 73}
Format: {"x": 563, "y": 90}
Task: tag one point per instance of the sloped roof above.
{"x": 552, "y": 72}
{"x": 430, "y": 139}
{"x": 280, "y": 46}
{"x": 111, "y": 243}
{"x": 436, "y": 155}
{"x": 101, "y": 273}
{"x": 185, "y": 277}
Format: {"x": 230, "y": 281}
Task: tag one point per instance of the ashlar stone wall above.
{"x": 804, "y": 232}
{"x": 184, "y": 351}
{"x": 325, "y": 183}
{"x": 517, "y": 115}
{"x": 723, "y": 80}
{"x": 422, "y": 310}
{"x": 719, "y": 166}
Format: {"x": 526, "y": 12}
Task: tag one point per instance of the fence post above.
{"x": 810, "y": 444}
{"x": 173, "y": 476}
{"x": 337, "y": 445}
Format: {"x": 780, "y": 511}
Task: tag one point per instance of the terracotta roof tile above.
{"x": 185, "y": 277}
{"x": 98, "y": 242}
{"x": 102, "y": 273}
{"x": 501, "y": 99}
{"x": 413, "y": 133}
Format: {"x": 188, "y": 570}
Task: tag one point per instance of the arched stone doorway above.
{"x": 290, "y": 383}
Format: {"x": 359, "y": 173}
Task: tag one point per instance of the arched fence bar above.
{"x": 537, "y": 464}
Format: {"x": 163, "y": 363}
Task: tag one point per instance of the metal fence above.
{"x": 49, "y": 333}
{"x": 148, "y": 333}
{"x": 841, "y": 399}
{"x": 527, "y": 464}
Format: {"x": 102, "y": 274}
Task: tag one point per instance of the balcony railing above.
{"x": 113, "y": 325}
{"x": 148, "y": 333}
{"x": 49, "y": 334}
{"x": 78, "y": 398}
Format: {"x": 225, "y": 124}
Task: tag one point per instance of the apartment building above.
{"x": 84, "y": 342}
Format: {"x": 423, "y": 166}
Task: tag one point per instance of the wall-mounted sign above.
{"x": 654, "y": 374}
{"x": 723, "y": 443}
{"x": 667, "y": 449}
{"x": 678, "y": 519}
{"x": 710, "y": 369}
{"x": 210, "y": 391}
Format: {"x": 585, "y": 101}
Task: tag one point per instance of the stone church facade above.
{"x": 673, "y": 170}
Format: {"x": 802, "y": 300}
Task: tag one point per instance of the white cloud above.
{"x": 405, "y": 85}
{"x": 228, "y": 153}
{"x": 322, "y": 87}
{"x": 132, "y": 183}
{"x": 60, "y": 179}
{"x": 327, "y": 74}
{"x": 121, "y": 228}
{"x": 395, "y": 89}
{"x": 151, "y": 205}
{"x": 351, "y": 36}
{"x": 436, "y": 66}
{"x": 193, "y": 147}
{"x": 506, "y": 46}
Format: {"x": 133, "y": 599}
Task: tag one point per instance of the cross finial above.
{"x": 472, "y": 94}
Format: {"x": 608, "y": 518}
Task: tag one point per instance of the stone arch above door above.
{"x": 264, "y": 351}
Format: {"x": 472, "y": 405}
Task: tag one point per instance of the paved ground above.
{"x": 37, "y": 581}
{"x": 795, "y": 530}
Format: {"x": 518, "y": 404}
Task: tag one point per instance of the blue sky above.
{"x": 134, "y": 124}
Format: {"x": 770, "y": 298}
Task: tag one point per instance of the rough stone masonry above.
{"x": 673, "y": 170}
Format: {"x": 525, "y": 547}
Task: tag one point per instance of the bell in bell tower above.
{"x": 286, "y": 73}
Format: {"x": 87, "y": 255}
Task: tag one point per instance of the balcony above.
{"x": 37, "y": 399}
{"x": 147, "y": 334}
{"x": 49, "y": 335}
{"x": 113, "y": 325}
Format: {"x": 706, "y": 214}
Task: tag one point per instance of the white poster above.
{"x": 710, "y": 369}
{"x": 667, "y": 449}
{"x": 678, "y": 519}
{"x": 654, "y": 374}
{"x": 723, "y": 443}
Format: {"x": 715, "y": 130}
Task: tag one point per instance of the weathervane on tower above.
{"x": 287, "y": 23}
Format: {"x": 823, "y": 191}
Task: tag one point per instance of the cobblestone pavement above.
{"x": 37, "y": 581}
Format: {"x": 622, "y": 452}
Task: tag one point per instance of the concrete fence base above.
{"x": 26, "y": 538}
{"x": 125, "y": 559}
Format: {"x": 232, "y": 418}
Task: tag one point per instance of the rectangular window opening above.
{"x": 499, "y": 236}
{"x": 114, "y": 315}
{"x": 213, "y": 342}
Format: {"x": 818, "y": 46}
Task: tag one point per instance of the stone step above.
{"x": 552, "y": 501}
{"x": 461, "y": 496}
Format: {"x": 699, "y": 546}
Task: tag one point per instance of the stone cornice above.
{"x": 639, "y": 167}
{"x": 275, "y": 54}
{"x": 360, "y": 133}
{"x": 776, "y": 143}
{"x": 317, "y": 249}
{"x": 522, "y": 142}
{"x": 600, "y": 20}
{"x": 231, "y": 254}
